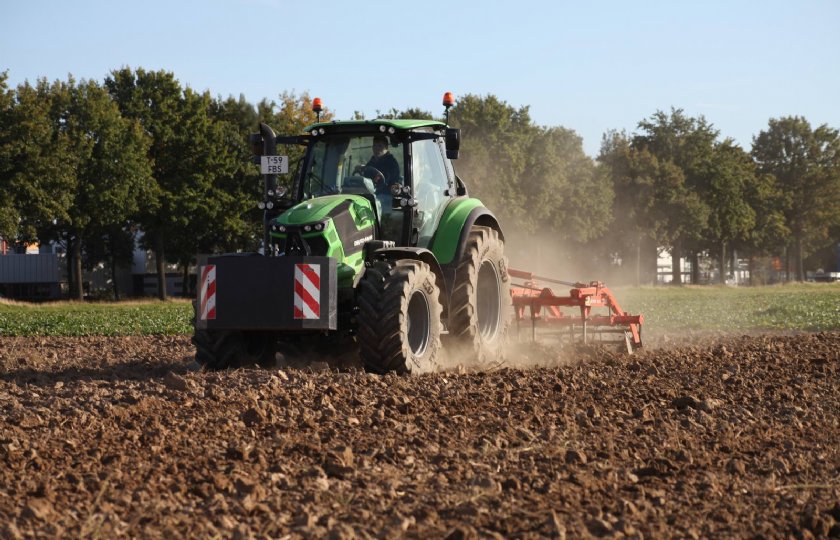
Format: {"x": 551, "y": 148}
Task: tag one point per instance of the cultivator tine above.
{"x": 543, "y": 308}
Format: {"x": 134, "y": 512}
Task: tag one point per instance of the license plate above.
{"x": 274, "y": 164}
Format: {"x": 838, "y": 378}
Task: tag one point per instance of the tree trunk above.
{"x": 185, "y": 287}
{"x": 112, "y": 260}
{"x": 652, "y": 258}
{"x": 798, "y": 260}
{"x": 161, "y": 269}
{"x": 70, "y": 268}
{"x": 695, "y": 268}
{"x": 78, "y": 290}
{"x": 114, "y": 278}
{"x": 676, "y": 268}
{"x": 733, "y": 265}
{"x": 722, "y": 263}
{"x": 639, "y": 260}
{"x": 751, "y": 269}
{"x": 787, "y": 264}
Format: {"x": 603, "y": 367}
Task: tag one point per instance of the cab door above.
{"x": 430, "y": 188}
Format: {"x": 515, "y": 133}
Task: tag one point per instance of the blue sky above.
{"x": 588, "y": 66}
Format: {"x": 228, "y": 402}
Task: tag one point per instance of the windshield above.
{"x": 353, "y": 164}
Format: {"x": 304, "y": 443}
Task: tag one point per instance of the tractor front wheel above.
{"x": 224, "y": 349}
{"x": 399, "y": 321}
{"x": 480, "y": 306}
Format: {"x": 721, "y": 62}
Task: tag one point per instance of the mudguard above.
{"x": 454, "y": 230}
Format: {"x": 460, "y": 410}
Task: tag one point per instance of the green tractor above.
{"x": 377, "y": 251}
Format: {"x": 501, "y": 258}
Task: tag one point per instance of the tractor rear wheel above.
{"x": 480, "y": 305}
{"x": 224, "y": 349}
{"x": 399, "y": 321}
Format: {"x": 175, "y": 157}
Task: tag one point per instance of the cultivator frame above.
{"x": 543, "y": 310}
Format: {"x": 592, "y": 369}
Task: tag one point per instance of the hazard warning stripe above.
{"x": 307, "y": 304}
{"x": 208, "y": 292}
{"x": 313, "y": 275}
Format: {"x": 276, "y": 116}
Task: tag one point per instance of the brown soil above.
{"x": 117, "y": 437}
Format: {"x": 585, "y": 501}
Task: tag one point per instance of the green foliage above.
{"x": 687, "y": 144}
{"x": 806, "y": 164}
{"x": 812, "y": 307}
{"x": 89, "y": 167}
{"x": 82, "y": 319}
{"x": 534, "y": 178}
{"x": 9, "y": 215}
{"x": 36, "y": 162}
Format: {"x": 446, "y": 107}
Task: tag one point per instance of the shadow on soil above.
{"x": 128, "y": 371}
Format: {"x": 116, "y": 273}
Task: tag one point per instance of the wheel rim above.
{"x": 418, "y": 323}
{"x": 488, "y": 300}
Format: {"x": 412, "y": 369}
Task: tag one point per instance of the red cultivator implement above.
{"x": 544, "y": 311}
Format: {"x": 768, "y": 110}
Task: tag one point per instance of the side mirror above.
{"x": 453, "y": 142}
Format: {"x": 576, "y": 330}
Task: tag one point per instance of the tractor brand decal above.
{"x": 307, "y": 291}
{"x": 361, "y": 241}
{"x": 207, "y": 298}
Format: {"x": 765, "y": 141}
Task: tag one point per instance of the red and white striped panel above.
{"x": 307, "y": 291}
{"x": 207, "y": 296}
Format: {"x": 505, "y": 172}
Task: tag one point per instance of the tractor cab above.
{"x": 399, "y": 166}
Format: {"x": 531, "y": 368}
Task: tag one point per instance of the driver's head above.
{"x": 380, "y": 145}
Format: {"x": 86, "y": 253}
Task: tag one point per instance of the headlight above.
{"x": 261, "y": 205}
{"x": 307, "y": 228}
{"x": 319, "y": 226}
{"x": 280, "y": 191}
{"x": 396, "y": 189}
{"x": 269, "y": 205}
{"x": 281, "y": 228}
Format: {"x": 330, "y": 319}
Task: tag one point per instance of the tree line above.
{"x": 89, "y": 165}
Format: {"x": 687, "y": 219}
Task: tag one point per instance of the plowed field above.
{"x": 731, "y": 437}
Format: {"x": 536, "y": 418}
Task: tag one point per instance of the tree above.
{"x": 687, "y": 143}
{"x": 769, "y": 234}
{"x": 9, "y": 215}
{"x": 495, "y": 145}
{"x": 730, "y": 173}
{"x": 36, "y": 165}
{"x": 112, "y": 175}
{"x": 651, "y": 206}
{"x": 806, "y": 164}
{"x": 194, "y": 156}
{"x": 154, "y": 100}
{"x": 288, "y": 116}
{"x": 568, "y": 181}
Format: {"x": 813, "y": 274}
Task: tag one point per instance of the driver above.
{"x": 387, "y": 170}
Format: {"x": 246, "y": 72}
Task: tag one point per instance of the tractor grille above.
{"x": 317, "y": 245}
{"x": 294, "y": 244}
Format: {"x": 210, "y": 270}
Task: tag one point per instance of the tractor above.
{"x": 376, "y": 251}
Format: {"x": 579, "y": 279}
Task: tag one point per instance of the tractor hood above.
{"x": 334, "y": 226}
{"x": 319, "y": 209}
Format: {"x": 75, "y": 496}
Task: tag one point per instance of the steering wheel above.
{"x": 370, "y": 172}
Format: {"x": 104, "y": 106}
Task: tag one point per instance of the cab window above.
{"x": 430, "y": 187}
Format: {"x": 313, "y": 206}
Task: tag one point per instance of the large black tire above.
{"x": 399, "y": 320}
{"x": 480, "y": 304}
{"x": 224, "y": 349}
